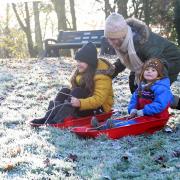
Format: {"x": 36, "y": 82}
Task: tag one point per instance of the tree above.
{"x": 122, "y": 7}
{"x": 13, "y": 45}
{"x": 164, "y": 10}
{"x": 26, "y": 27}
{"x": 136, "y": 9}
{"x": 177, "y": 19}
{"x": 73, "y": 14}
{"x": 13, "y": 41}
{"x": 107, "y": 8}
{"x": 146, "y": 9}
{"x": 38, "y": 34}
{"x": 59, "y": 6}
{"x": 46, "y": 9}
{"x": 6, "y": 31}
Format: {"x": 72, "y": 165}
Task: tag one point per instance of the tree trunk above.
{"x": 32, "y": 51}
{"x": 137, "y": 9}
{"x": 26, "y": 28}
{"x": 107, "y": 8}
{"x": 122, "y": 7}
{"x": 7, "y": 31}
{"x": 7, "y": 16}
{"x": 73, "y": 14}
{"x": 59, "y": 6}
{"x": 38, "y": 34}
{"x": 146, "y": 9}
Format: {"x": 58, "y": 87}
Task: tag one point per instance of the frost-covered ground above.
{"x": 26, "y": 86}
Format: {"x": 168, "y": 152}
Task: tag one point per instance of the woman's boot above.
{"x": 42, "y": 120}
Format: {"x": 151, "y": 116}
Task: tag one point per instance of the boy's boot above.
{"x": 109, "y": 124}
{"x": 94, "y": 122}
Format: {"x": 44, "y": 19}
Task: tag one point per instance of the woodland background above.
{"x": 25, "y": 25}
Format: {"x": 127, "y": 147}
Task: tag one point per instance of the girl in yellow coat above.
{"x": 91, "y": 92}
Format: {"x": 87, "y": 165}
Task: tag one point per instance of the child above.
{"x": 153, "y": 95}
{"x": 91, "y": 89}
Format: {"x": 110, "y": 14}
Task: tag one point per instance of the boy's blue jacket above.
{"x": 162, "y": 98}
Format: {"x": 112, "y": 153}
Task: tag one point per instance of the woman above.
{"x": 134, "y": 43}
{"x": 91, "y": 89}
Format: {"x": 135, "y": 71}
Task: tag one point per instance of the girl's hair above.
{"x": 87, "y": 79}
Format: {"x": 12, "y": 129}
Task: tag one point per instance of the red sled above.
{"x": 140, "y": 125}
{"x": 72, "y": 122}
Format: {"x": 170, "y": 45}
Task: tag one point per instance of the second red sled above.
{"x": 140, "y": 125}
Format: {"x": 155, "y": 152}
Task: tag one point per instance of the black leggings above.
{"x": 77, "y": 92}
{"x": 132, "y": 85}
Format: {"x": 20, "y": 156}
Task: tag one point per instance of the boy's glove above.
{"x": 133, "y": 112}
{"x": 140, "y": 113}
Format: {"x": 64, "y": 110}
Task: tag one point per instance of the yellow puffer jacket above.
{"x": 103, "y": 91}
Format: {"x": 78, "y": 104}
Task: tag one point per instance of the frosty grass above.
{"x": 26, "y": 87}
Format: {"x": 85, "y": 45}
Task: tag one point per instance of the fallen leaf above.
{"x": 14, "y": 152}
{"x": 40, "y": 98}
{"x": 8, "y": 167}
{"x": 125, "y": 157}
{"x": 72, "y": 157}
{"x": 46, "y": 162}
{"x": 161, "y": 160}
{"x": 176, "y": 153}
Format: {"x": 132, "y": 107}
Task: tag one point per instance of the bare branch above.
{"x": 18, "y": 17}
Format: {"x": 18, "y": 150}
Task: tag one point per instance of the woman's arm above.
{"x": 119, "y": 67}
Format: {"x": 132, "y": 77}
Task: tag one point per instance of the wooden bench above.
{"x": 72, "y": 40}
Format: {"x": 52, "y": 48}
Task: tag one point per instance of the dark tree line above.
{"x": 162, "y": 13}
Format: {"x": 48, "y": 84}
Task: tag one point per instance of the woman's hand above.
{"x": 75, "y": 102}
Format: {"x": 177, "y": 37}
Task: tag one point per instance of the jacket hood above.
{"x": 105, "y": 67}
{"x": 163, "y": 82}
{"x": 140, "y": 29}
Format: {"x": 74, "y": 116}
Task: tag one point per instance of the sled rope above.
{"x": 62, "y": 104}
{"x": 65, "y": 94}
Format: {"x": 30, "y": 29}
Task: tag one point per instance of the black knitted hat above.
{"x": 87, "y": 54}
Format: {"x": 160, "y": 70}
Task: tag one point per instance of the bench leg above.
{"x": 72, "y": 53}
{"x": 52, "y": 52}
